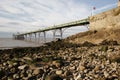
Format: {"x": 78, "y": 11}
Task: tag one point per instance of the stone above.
{"x": 106, "y": 74}
{"x": 85, "y": 71}
{"x": 113, "y": 77}
{"x": 72, "y": 68}
{"x": 13, "y": 70}
{"x": 10, "y": 63}
{"x": 38, "y": 71}
{"x": 16, "y": 76}
{"x": 32, "y": 78}
{"x": 57, "y": 63}
{"x": 22, "y": 67}
{"x": 41, "y": 71}
{"x": 77, "y": 77}
{"x": 89, "y": 44}
{"x": 9, "y": 78}
{"x": 81, "y": 68}
{"x": 2, "y": 74}
{"x": 59, "y": 72}
{"x": 67, "y": 73}
{"x": 96, "y": 68}
{"x": 27, "y": 58}
{"x": 15, "y": 64}
{"x": 53, "y": 77}
{"x": 25, "y": 74}
{"x": 4, "y": 63}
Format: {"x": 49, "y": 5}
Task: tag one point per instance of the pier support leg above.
{"x": 30, "y": 35}
{"x": 35, "y": 36}
{"x": 60, "y": 35}
{"x": 54, "y": 34}
{"x": 44, "y": 36}
{"x": 26, "y": 37}
{"x": 39, "y": 37}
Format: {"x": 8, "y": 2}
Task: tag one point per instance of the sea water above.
{"x": 8, "y": 43}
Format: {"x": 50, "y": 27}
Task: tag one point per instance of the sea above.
{"x": 9, "y": 43}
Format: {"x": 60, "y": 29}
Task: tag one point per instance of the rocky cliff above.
{"x": 106, "y": 20}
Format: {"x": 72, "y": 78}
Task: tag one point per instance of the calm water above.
{"x": 6, "y": 43}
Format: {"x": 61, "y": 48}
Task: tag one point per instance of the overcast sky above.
{"x": 29, "y": 15}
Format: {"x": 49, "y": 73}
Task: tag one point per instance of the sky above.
{"x": 29, "y": 15}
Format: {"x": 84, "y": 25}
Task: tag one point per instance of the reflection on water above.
{"x": 6, "y": 43}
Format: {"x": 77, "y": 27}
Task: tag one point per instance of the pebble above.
{"x": 22, "y": 67}
{"x": 106, "y": 74}
{"x": 54, "y": 77}
{"x": 81, "y": 68}
{"x": 59, "y": 72}
{"x": 67, "y": 64}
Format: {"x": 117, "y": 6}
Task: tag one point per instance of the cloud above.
{"x": 28, "y": 15}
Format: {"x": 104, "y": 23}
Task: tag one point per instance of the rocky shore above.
{"x": 62, "y": 60}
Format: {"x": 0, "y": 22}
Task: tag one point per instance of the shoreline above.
{"x": 64, "y": 60}
{"x": 61, "y": 60}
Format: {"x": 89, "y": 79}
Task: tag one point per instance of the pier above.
{"x": 55, "y": 29}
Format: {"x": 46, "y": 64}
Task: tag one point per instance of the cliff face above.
{"x": 95, "y": 36}
{"x": 106, "y": 20}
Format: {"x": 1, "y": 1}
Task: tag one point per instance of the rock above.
{"x": 53, "y": 77}
{"x": 10, "y": 63}
{"x": 113, "y": 77}
{"x": 86, "y": 71}
{"x": 4, "y": 63}
{"x": 67, "y": 73}
{"x": 16, "y": 76}
{"x": 35, "y": 72}
{"x": 27, "y": 58}
{"x": 25, "y": 74}
{"x": 29, "y": 71}
{"x": 57, "y": 63}
{"x": 38, "y": 71}
{"x": 88, "y": 44}
{"x": 9, "y": 78}
{"x": 41, "y": 71}
{"x": 104, "y": 48}
{"x": 96, "y": 68}
{"x": 106, "y": 74}
{"x": 32, "y": 78}
{"x": 104, "y": 42}
{"x": 15, "y": 64}
{"x": 13, "y": 70}
{"x": 59, "y": 72}
{"x": 72, "y": 68}
{"x": 96, "y": 76}
{"x": 57, "y": 39}
{"x": 109, "y": 42}
{"x": 22, "y": 67}
{"x": 81, "y": 68}
{"x": 2, "y": 74}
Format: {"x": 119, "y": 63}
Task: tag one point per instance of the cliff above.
{"x": 106, "y": 20}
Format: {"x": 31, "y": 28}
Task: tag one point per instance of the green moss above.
{"x": 104, "y": 48}
{"x": 45, "y": 59}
